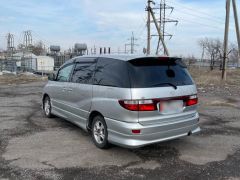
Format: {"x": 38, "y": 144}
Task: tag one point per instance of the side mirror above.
{"x": 52, "y": 77}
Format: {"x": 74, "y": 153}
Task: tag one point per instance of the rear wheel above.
{"x": 47, "y": 107}
{"x": 99, "y": 132}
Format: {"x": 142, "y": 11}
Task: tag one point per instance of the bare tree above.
{"x": 20, "y": 47}
{"x": 190, "y": 60}
{"x": 233, "y": 54}
{"x": 38, "y": 48}
{"x": 214, "y": 50}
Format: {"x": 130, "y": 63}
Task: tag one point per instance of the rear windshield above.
{"x": 155, "y": 72}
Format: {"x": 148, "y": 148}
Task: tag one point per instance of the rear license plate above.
{"x": 171, "y": 107}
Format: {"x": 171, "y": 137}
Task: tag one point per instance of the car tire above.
{"x": 47, "y": 107}
{"x": 100, "y": 132}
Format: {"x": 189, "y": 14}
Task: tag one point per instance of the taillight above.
{"x": 193, "y": 100}
{"x": 138, "y": 105}
{"x": 129, "y": 105}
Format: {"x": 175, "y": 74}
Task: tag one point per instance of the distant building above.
{"x": 44, "y": 63}
{"x": 27, "y": 61}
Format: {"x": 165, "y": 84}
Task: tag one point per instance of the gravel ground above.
{"x": 34, "y": 147}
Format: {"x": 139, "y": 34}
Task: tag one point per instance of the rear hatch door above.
{"x": 167, "y": 83}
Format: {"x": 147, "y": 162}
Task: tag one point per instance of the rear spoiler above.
{"x": 156, "y": 60}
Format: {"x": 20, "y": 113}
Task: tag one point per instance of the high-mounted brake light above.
{"x": 138, "y": 105}
{"x": 163, "y": 58}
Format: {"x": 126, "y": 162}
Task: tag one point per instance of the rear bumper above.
{"x": 120, "y": 133}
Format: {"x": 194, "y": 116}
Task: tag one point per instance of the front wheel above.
{"x": 99, "y": 132}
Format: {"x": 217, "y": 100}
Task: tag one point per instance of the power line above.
{"x": 196, "y": 11}
{"x": 198, "y": 16}
{"x": 46, "y": 43}
{"x": 199, "y": 23}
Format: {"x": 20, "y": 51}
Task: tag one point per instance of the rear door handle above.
{"x": 67, "y": 89}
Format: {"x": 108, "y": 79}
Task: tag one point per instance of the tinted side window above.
{"x": 83, "y": 73}
{"x": 65, "y": 73}
{"x": 111, "y": 72}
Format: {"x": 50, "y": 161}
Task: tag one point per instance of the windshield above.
{"x": 155, "y": 72}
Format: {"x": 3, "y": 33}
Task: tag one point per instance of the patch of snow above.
{"x": 28, "y": 73}
{"x": 8, "y": 72}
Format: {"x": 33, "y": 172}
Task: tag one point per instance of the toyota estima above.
{"x": 130, "y": 101}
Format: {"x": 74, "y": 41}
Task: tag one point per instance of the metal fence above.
{"x": 29, "y": 64}
{"x": 24, "y": 65}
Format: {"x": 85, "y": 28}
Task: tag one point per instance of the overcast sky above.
{"x": 110, "y": 22}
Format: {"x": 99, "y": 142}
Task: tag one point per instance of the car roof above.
{"x": 121, "y": 57}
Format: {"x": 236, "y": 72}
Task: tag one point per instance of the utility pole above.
{"x": 237, "y": 27}
{"x": 225, "y": 54}
{"x": 162, "y": 22}
{"x": 132, "y": 44}
{"x": 149, "y": 27}
{"x": 159, "y": 32}
{"x": 151, "y": 15}
{"x": 27, "y": 40}
{"x": 203, "y": 53}
{"x": 10, "y": 44}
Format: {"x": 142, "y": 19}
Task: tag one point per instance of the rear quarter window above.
{"x": 112, "y": 72}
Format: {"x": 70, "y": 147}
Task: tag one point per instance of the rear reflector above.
{"x": 136, "y": 131}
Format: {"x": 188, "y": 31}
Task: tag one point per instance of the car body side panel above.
{"x": 70, "y": 105}
{"x": 58, "y": 95}
{"x": 79, "y": 102}
{"x": 105, "y": 101}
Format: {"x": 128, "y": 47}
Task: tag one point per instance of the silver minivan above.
{"x": 127, "y": 100}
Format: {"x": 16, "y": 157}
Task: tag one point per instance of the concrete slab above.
{"x": 61, "y": 148}
{"x": 201, "y": 150}
{"x": 146, "y": 165}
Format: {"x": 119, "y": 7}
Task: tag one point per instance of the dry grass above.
{"x": 204, "y": 77}
{"x": 20, "y": 79}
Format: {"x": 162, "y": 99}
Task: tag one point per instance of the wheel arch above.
{"x": 90, "y": 119}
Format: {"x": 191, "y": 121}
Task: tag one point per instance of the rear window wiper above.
{"x": 163, "y": 84}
